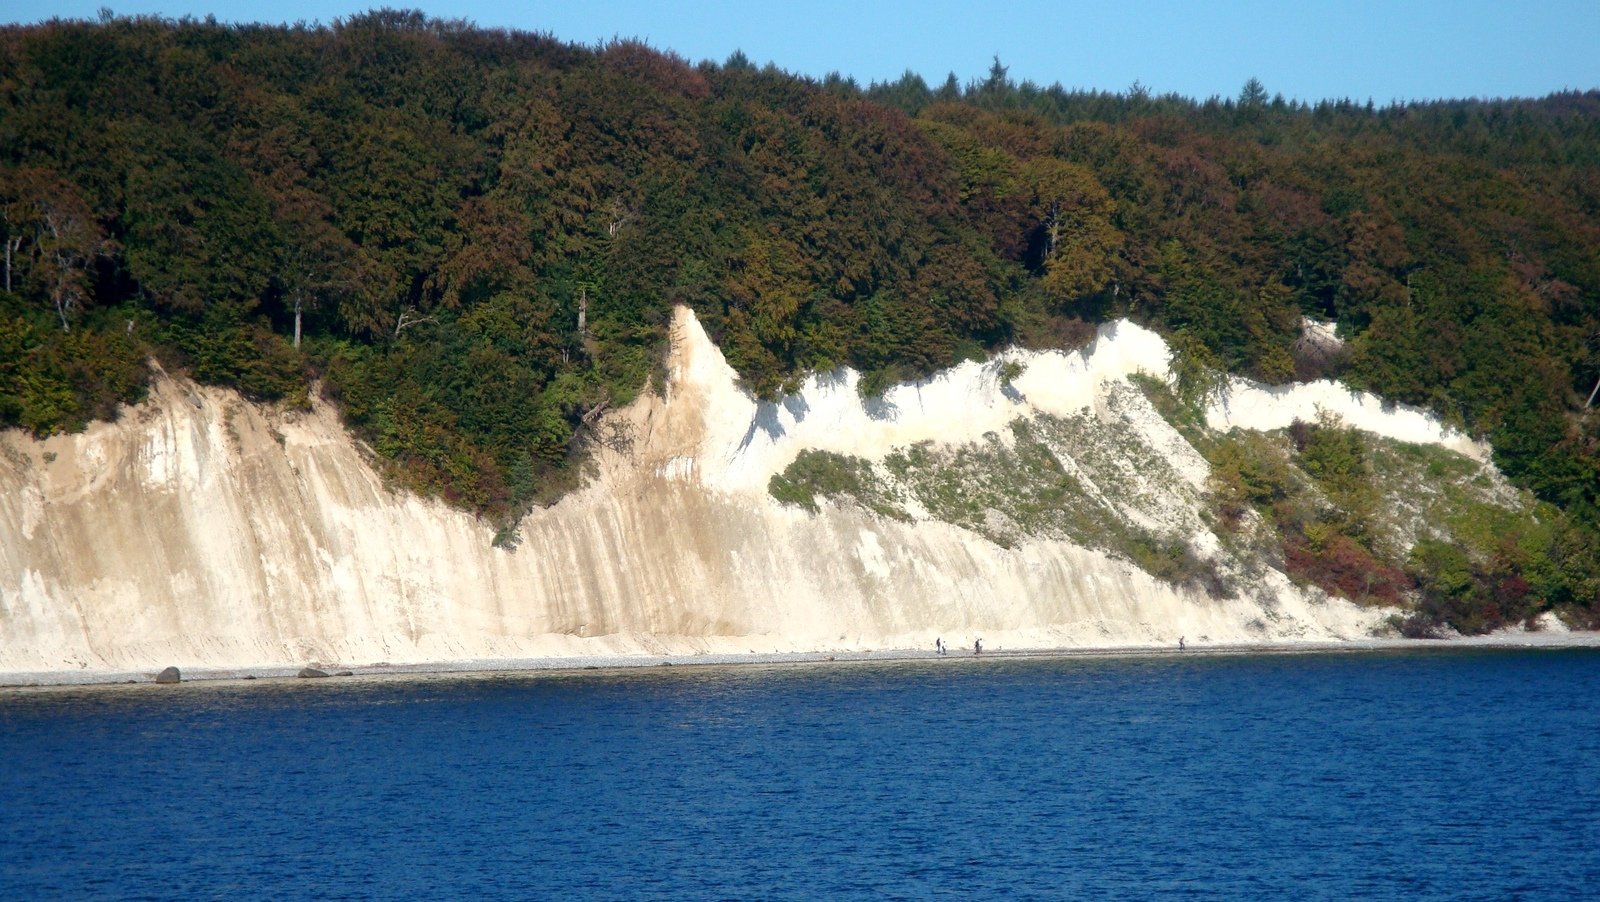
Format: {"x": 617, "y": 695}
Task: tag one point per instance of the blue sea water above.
{"x": 1421, "y": 775}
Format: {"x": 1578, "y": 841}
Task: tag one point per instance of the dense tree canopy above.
{"x": 413, "y": 211}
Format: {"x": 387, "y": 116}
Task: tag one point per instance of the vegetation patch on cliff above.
{"x": 1373, "y": 519}
{"x": 1069, "y": 478}
{"x": 824, "y": 474}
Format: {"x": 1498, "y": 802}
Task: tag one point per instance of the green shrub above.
{"x": 829, "y": 475}
{"x": 57, "y": 381}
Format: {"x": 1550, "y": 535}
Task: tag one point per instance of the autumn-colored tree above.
{"x": 51, "y": 237}
{"x": 1079, "y": 242}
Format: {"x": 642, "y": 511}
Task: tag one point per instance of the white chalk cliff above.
{"x": 204, "y": 531}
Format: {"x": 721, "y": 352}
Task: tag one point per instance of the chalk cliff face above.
{"x": 204, "y": 531}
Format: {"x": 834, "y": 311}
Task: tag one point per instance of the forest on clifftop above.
{"x": 471, "y": 239}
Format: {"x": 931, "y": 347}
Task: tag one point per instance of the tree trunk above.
{"x": 297, "y": 322}
{"x": 1596, "y": 391}
{"x": 1055, "y": 230}
{"x": 62, "y": 294}
{"x": 583, "y": 311}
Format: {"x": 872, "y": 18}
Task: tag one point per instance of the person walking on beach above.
{"x": 977, "y": 647}
{"x": 1180, "y": 643}
{"x": 938, "y": 645}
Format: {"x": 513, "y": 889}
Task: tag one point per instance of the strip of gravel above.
{"x": 581, "y": 664}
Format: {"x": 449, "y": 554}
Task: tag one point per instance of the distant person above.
{"x": 1180, "y": 643}
{"x": 938, "y": 645}
{"x": 977, "y": 647}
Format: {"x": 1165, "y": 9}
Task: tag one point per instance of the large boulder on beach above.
{"x": 307, "y": 673}
{"x": 170, "y": 675}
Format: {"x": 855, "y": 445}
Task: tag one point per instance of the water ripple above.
{"x": 1408, "y": 775}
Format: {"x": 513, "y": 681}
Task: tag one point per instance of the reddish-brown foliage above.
{"x": 1341, "y": 566}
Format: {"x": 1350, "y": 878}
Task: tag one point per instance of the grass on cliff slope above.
{"x": 1378, "y": 520}
{"x": 1063, "y": 478}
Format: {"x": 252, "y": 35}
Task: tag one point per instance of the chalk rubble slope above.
{"x": 206, "y": 532}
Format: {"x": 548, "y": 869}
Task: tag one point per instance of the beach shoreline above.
{"x": 591, "y": 663}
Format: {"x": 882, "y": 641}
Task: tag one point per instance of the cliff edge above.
{"x": 201, "y": 530}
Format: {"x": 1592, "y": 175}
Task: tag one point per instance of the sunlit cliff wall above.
{"x": 204, "y": 531}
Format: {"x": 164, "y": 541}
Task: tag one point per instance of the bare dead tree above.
{"x": 72, "y": 241}
{"x": 410, "y": 317}
{"x": 621, "y": 215}
{"x": 615, "y": 435}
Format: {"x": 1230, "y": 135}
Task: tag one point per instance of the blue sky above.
{"x": 1307, "y": 50}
